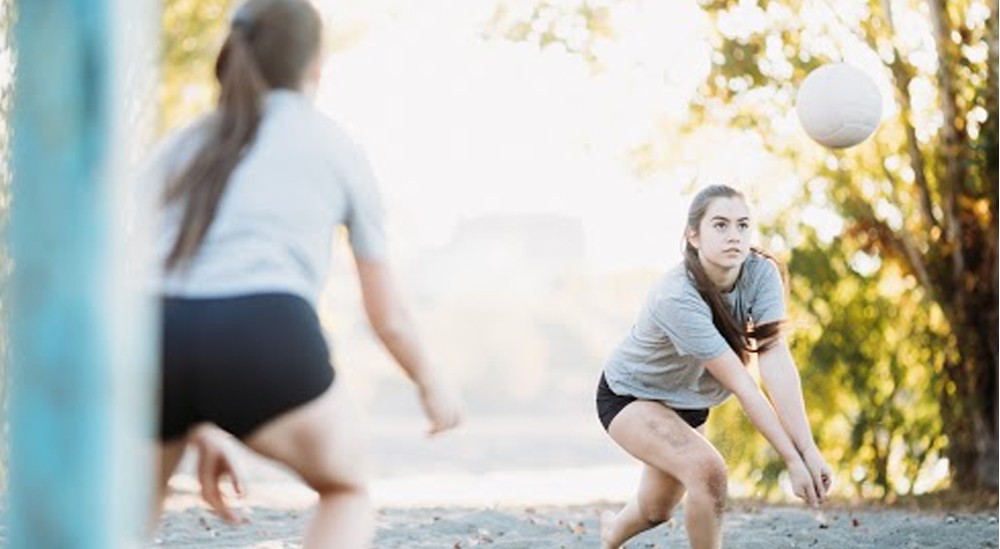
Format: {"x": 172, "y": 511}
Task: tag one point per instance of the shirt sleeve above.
{"x": 687, "y": 321}
{"x": 768, "y": 303}
{"x": 365, "y": 214}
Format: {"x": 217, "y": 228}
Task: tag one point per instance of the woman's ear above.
{"x": 316, "y": 67}
{"x": 692, "y": 239}
{"x": 313, "y": 74}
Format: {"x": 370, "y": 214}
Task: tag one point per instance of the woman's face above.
{"x": 723, "y": 237}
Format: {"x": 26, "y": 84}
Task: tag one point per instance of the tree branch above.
{"x": 902, "y": 244}
{"x": 917, "y": 162}
{"x": 952, "y": 140}
{"x": 902, "y": 76}
{"x": 906, "y": 246}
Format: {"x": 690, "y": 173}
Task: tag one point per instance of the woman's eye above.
{"x": 719, "y": 225}
{"x": 744, "y": 226}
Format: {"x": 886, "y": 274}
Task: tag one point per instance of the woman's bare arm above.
{"x": 729, "y": 371}
{"x": 394, "y": 327}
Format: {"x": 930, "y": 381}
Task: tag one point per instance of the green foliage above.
{"x": 870, "y": 365}
{"x": 870, "y": 333}
{"x": 577, "y": 27}
{"x": 192, "y": 33}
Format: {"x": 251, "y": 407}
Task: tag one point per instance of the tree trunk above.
{"x": 972, "y": 433}
{"x": 967, "y": 292}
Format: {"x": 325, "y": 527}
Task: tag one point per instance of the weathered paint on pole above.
{"x": 81, "y": 368}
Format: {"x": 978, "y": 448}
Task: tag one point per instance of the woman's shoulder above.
{"x": 327, "y": 125}
{"x": 760, "y": 271}
{"x": 760, "y": 265}
{"x": 337, "y": 139}
{"x": 675, "y": 287}
{"x": 291, "y": 112}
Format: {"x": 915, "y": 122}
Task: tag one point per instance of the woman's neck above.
{"x": 724, "y": 279}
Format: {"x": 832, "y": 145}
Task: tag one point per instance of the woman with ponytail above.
{"x": 688, "y": 352}
{"x": 250, "y": 198}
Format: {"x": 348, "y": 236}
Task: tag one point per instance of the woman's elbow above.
{"x": 387, "y": 324}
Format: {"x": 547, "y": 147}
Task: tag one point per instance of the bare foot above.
{"x": 607, "y": 521}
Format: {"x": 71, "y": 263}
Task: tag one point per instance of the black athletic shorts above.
{"x": 239, "y": 361}
{"x": 609, "y": 404}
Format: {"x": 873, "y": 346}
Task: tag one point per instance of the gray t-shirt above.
{"x": 300, "y": 180}
{"x": 662, "y": 357}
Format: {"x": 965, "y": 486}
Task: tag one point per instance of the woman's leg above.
{"x": 322, "y": 442}
{"x": 168, "y": 455}
{"x": 653, "y": 504}
{"x": 658, "y": 437}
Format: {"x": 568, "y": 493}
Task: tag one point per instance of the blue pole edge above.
{"x": 81, "y": 334}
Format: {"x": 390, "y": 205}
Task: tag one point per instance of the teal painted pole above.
{"x": 81, "y": 361}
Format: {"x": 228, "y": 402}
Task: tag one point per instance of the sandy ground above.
{"x": 477, "y": 512}
{"x": 746, "y": 526}
{"x": 449, "y": 494}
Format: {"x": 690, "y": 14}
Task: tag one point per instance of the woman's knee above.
{"x": 709, "y": 484}
{"x": 658, "y": 495}
{"x": 339, "y": 486}
{"x": 656, "y": 512}
{"x": 332, "y": 472}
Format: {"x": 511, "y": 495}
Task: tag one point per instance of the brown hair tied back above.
{"x": 270, "y": 45}
{"x": 738, "y": 337}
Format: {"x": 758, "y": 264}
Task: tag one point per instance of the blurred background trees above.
{"x": 190, "y": 40}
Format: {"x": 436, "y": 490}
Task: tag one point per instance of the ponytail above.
{"x": 231, "y": 131}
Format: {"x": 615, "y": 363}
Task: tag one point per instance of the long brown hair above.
{"x": 270, "y": 45}
{"x": 738, "y": 337}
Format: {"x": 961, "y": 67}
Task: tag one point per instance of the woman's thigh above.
{"x": 658, "y": 437}
{"x": 322, "y": 441}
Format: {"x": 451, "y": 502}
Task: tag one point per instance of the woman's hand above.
{"x": 820, "y": 471}
{"x": 441, "y": 406}
{"x": 215, "y": 462}
{"x": 802, "y": 483}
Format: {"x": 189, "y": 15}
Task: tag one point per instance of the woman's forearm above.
{"x": 399, "y": 337}
{"x": 781, "y": 378}
{"x": 397, "y": 332}
{"x": 391, "y": 322}
{"x": 731, "y": 373}
{"x": 763, "y": 417}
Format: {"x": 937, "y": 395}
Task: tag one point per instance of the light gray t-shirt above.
{"x": 273, "y": 231}
{"x": 662, "y": 357}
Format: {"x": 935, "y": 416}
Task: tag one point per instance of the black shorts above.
{"x": 609, "y": 404}
{"x": 238, "y": 361}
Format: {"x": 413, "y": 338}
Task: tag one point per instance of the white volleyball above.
{"x": 838, "y": 105}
